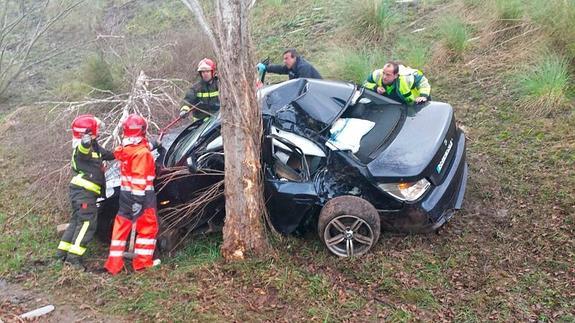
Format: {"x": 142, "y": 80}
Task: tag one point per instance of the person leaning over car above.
{"x": 400, "y": 83}
{"x": 294, "y": 66}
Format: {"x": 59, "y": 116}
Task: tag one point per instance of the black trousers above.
{"x": 82, "y": 224}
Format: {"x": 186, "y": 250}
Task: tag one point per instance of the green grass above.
{"x": 544, "y": 86}
{"x": 353, "y": 65}
{"x": 558, "y": 20}
{"x": 509, "y": 9}
{"x": 373, "y": 19}
{"x": 455, "y": 33}
{"x": 413, "y": 51}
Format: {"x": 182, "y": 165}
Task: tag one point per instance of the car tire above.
{"x": 349, "y": 226}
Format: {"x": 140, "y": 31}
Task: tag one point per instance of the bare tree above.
{"x": 244, "y": 229}
{"x": 22, "y": 25}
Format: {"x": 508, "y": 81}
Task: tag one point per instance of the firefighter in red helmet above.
{"x": 86, "y": 186}
{"x": 137, "y": 198}
{"x": 203, "y": 98}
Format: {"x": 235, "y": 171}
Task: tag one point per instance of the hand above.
{"x": 380, "y": 90}
{"x": 136, "y": 209}
{"x": 261, "y": 67}
{"x": 86, "y": 139}
{"x": 184, "y": 111}
{"x": 155, "y": 144}
{"x": 420, "y": 99}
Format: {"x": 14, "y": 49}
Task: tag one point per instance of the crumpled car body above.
{"x": 336, "y": 158}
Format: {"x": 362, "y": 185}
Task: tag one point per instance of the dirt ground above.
{"x": 16, "y": 300}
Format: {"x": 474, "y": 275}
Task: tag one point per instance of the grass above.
{"x": 373, "y": 19}
{"x": 558, "y": 20}
{"x": 509, "y": 9}
{"x": 413, "y": 51}
{"x": 544, "y": 86}
{"x": 455, "y": 33}
{"x": 353, "y": 65}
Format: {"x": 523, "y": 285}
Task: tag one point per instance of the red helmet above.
{"x": 134, "y": 126}
{"x": 207, "y": 64}
{"x": 85, "y": 122}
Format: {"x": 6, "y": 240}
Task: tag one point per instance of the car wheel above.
{"x": 349, "y": 226}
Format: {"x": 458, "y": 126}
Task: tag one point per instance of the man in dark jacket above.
{"x": 203, "y": 98}
{"x": 85, "y": 187}
{"x": 294, "y": 66}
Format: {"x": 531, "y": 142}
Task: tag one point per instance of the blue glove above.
{"x": 261, "y": 67}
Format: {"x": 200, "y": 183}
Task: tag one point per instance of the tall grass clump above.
{"x": 544, "y": 86}
{"x": 455, "y": 33}
{"x": 351, "y": 65}
{"x": 557, "y": 17}
{"x": 509, "y": 9}
{"x": 413, "y": 51}
{"x": 373, "y": 18}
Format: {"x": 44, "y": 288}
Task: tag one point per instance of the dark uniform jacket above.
{"x": 205, "y": 96}
{"x": 88, "y": 168}
{"x": 301, "y": 69}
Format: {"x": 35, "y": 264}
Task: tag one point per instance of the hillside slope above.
{"x": 505, "y": 66}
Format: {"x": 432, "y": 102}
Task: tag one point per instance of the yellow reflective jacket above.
{"x": 409, "y": 85}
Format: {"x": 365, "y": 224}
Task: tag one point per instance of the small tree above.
{"x": 244, "y": 229}
{"x": 22, "y": 25}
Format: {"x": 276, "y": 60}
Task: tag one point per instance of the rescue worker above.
{"x": 137, "y": 198}
{"x": 400, "y": 83}
{"x": 204, "y": 94}
{"x": 294, "y": 66}
{"x": 85, "y": 187}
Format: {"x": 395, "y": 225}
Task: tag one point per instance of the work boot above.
{"x": 60, "y": 255}
{"x": 75, "y": 262}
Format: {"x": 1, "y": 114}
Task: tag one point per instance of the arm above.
{"x": 422, "y": 84}
{"x": 370, "y": 83}
{"x": 142, "y": 167}
{"x": 106, "y": 154}
{"x": 277, "y": 69}
{"x": 308, "y": 71}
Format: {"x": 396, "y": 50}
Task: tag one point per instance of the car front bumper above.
{"x": 438, "y": 205}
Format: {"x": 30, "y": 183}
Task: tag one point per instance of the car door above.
{"x": 291, "y": 195}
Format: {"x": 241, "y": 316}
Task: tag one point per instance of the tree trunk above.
{"x": 244, "y": 229}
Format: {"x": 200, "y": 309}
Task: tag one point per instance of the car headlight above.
{"x": 406, "y": 191}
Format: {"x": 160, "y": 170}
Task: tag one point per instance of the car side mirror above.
{"x": 192, "y": 165}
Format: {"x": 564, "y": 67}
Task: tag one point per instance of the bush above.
{"x": 97, "y": 73}
{"x": 455, "y": 34}
{"x": 413, "y": 51}
{"x": 509, "y": 9}
{"x": 373, "y": 18}
{"x": 350, "y": 65}
{"x": 558, "y": 20}
{"x": 544, "y": 86}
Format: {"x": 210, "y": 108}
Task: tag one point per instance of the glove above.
{"x": 136, "y": 209}
{"x": 155, "y": 144}
{"x": 184, "y": 111}
{"x": 261, "y": 67}
{"x": 86, "y": 139}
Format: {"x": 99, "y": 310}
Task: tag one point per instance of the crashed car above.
{"x": 336, "y": 158}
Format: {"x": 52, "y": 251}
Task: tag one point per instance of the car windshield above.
{"x": 185, "y": 142}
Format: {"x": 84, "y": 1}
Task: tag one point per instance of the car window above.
{"x": 185, "y": 143}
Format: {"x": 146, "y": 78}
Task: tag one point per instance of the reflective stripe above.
{"x": 126, "y": 178}
{"x": 77, "y": 250}
{"x": 140, "y": 181}
{"x": 95, "y": 155}
{"x": 83, "y": 150}
{"x": 117, "y": 243}
{"x": 145, "y": 241}
{"x": 150, "y": 178}
{"x": 139, "y": 192}
{"x": 114, "y": 253}
{"x": 145, "y": 252}
{"x": 207, "y": 94}
{"x": 80, "y": 237}
{"x": 149, "y": 188}
{"x": 63, "y": 245}
{"x": 84, "y": 183}
{"x": 125, "y": 188}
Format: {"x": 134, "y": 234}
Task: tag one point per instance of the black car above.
{"x": 338, "y": 159}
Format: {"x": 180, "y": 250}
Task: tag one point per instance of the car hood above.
{"x": 410, "y": 153}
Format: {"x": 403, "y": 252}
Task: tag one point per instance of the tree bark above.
{"x": 244, "y": 229}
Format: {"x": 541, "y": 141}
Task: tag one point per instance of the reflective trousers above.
{"x": 82, "y": 224}
{"x": 146, "y": 232}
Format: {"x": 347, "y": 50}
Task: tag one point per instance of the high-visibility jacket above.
{"x": 409, "y": 85}
{"x": 204, "y": 95}
{"x": 87, "y": 166}
{"x": 137, "y": 171}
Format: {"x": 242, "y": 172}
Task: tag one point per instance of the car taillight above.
{"x": 406, "y": 191}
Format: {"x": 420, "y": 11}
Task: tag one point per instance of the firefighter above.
{"x": 137, "y": 198}
{"x": 85, "y": 187}
{"x": 203, "y": 98}
{"x": 400, "y": 83}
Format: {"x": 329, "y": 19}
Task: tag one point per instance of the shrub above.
{"x": 350, "y": 65}
{"x": 544, "y": 85}
{"x": 455, "y": 34}
{"x": 373, "y": 18}
{"x": 97, "y": 73}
